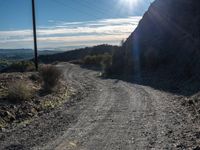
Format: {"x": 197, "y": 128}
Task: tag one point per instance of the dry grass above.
{"x": 19, "y": 91}
{"x": 50, "y": 76}
{"x": 21, "y": 98}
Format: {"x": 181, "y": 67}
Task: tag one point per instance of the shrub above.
{"x": 106, "y": 64}
{"x": 104, "y": 61}
{"x": 92, "y": 60}
{"x": 50, "y": 76}
{"x": 20, "y": 66}
{"x": 19, "y": 91}
{"x": 34, "y": 77}
{"x": 95, "y": 59}
{"x": 78, "y": 62}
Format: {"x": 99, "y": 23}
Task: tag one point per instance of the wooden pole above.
{"x": 35, "y": 35}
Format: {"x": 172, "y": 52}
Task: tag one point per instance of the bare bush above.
{"x": 93, "y": 60}
{"x": 50, "y": 76}
{"x": 34, "y": 77}
{"x": 19, "y": 92}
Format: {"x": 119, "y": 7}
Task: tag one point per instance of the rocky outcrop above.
{"x": 168, "y": 36}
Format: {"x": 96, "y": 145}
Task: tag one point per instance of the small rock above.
{"x": 25, "y": 125}
{"x": 3, "y": 129}
{"x": 170, "y": 131}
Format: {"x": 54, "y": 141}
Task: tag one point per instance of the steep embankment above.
{"x": 168, "y": 36}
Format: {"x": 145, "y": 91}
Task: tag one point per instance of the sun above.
{"x": 128, "y": 4}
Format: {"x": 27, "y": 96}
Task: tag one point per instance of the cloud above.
{"x": 69, "y": 34}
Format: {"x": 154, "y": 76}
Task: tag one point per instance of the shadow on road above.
{"x": 161, "y": 80}
{"x": 173, "y": 85}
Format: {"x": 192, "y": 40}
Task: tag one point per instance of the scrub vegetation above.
{"x": 24, "y": 95}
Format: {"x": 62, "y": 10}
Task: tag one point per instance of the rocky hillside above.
{"x": 167, "y": 37}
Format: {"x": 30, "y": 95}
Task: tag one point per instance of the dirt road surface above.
{"x": 106, "y": 114}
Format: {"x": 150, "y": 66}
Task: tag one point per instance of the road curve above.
{"x": 119, "y": 115}
{"x": 110, "y": 115}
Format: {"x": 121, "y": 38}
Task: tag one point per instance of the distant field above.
{"x": 21, "y": 54}
{"x": 7, "y": 56}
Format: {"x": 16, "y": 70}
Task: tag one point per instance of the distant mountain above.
{"x": 78, "y": 53}
{"x": 167, "y": 37}
{"x": 21, "y": 54}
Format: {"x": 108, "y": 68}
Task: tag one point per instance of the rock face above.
{"x": 168, "y": 36}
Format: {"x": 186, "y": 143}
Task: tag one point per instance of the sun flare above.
{"x": 131, "y": 2}
{"x": 128, "y": 4}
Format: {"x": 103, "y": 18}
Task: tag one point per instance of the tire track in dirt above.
{"x": 114, "y": 119}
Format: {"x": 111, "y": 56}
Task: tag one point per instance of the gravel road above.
{"x": 107, "y": 114}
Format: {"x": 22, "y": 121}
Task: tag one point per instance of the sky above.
{"x": 69, "y": 24}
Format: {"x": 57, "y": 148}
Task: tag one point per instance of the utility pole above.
{"x": 35, "y": 35}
